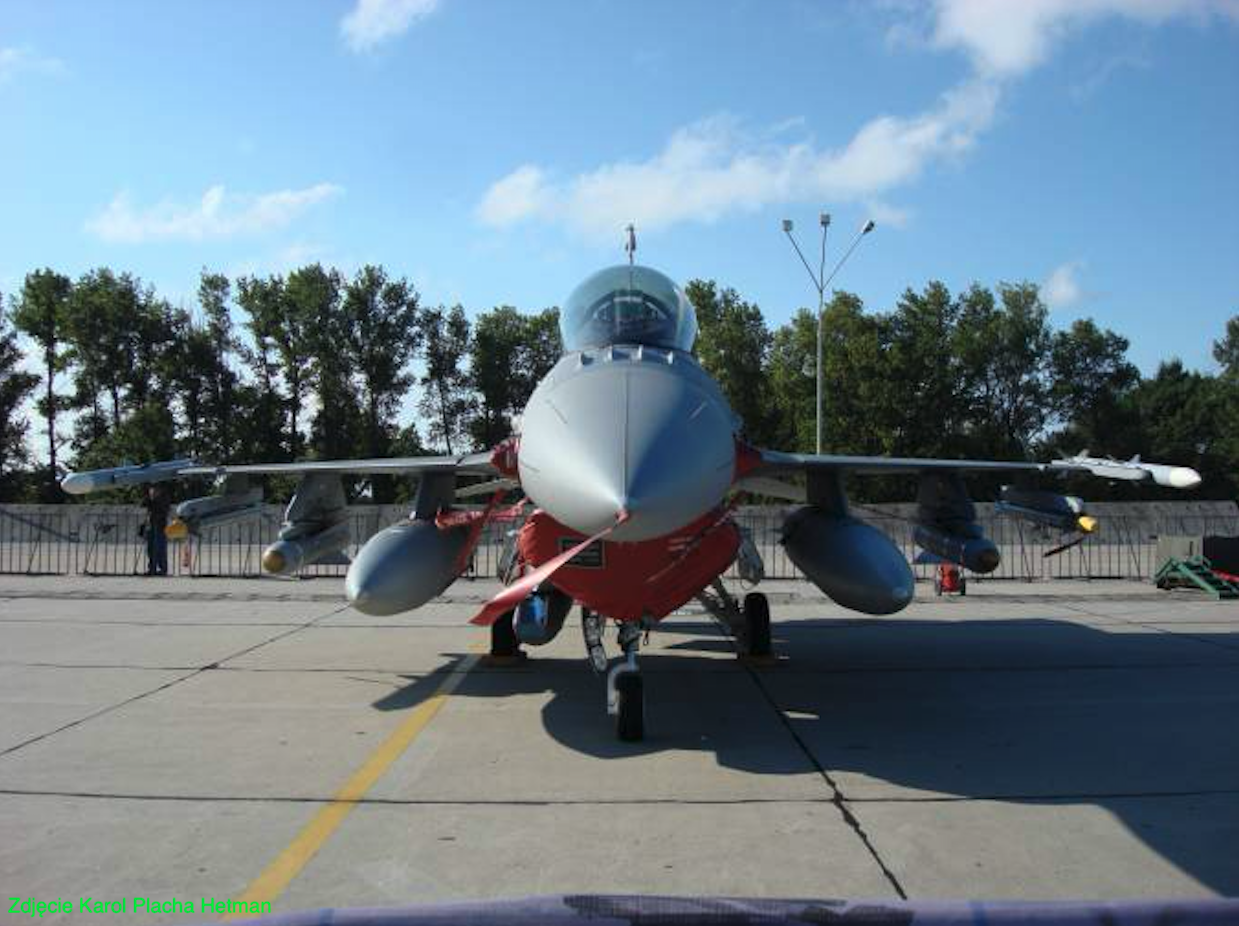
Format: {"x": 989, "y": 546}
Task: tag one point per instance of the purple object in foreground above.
{"x": 622, "y": 910}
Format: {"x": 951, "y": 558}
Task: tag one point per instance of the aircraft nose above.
{"x": 640, "y": 440}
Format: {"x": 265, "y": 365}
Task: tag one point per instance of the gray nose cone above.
{"x": 632, "y": 437}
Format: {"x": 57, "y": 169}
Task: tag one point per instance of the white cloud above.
{"x": 1061, "y": 289}
{"x": 888, "y": 216}
{"x": 14, "y": 61}
{"x": 281, "y": 261}
{"x": 1005, "y": 39}
{"x": 521, "y": 194}
{"x": 1084, "y": 89}
{"x": 218, "y": 214}
{"x": 711, "y": 167}
{"x": 372, "y": 22}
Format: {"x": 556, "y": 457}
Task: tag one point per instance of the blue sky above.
{"x": 492, "y": 151}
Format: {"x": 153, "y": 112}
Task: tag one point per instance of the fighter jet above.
{"x": 628, "y": 462}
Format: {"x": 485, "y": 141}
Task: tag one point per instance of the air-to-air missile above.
{"x": 964, "y": 545}
{"x": 198, "y": 514}
{"x": 119, "y": 476}
{"x": 302, "y": 546}
{"x": 1134, "y": 470}
{"x": 1061, "y": 512}
{"x": 854, "y": 563}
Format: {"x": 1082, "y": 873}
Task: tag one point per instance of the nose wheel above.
{"x": 625, "y": 686}
{"x": 629, "y": 696}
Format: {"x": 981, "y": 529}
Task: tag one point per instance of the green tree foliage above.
{"x": 124, "y": 347}
{"x": 262, "y": 301}
{"x": 147, "y": 435}
{"x": 976, "y": 374}
{"x": 860, "y": 413}
{"x": 733, "y": 346}
{"x": 1186, "y": 417}
{"x": 540, "y": 349}
{"x": 1004, "y": 350}
{"x": 508, "y": 354}
{"x": 447, "y": 401}
{"x": 312, "y": 344}
{"x": 1226, "y": 351}
{"x": 41, "y": 315}
{"x": 919, "y": 360}
{"x": 381, "y": 318}
{"x": 221, "y": 345}
{"x": 16, "y": 386}
{"x": 381, "y": 338}
{"x": 792, "y": 359}
{"x": 1090, "y": 379}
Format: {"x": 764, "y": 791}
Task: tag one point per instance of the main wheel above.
{"x": 503, "y": 640}
{"x": 630, "y": 721}
{"x": 963, "y": 586}
{"x": 757, "y": 622}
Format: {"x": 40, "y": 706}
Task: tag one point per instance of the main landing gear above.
{"x": 625, "y": 686}
{"x": 748, "y": 624}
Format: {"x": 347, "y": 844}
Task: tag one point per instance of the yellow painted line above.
{"x": 288, "y": 864}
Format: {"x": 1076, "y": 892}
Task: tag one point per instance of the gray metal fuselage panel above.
{"x": 634, "y": 429}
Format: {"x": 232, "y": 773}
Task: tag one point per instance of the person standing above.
{"x": 157, "y": 505}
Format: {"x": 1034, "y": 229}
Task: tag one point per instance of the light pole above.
{"x": 820, "y": 284}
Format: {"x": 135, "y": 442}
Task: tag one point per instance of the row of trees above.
{"x": 317, "y": 365}
{"x": 977, "y": 374}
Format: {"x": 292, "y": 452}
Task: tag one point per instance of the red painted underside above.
{"x": 634, "y": 580}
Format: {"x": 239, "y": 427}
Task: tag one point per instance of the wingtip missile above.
{"x": 96, "y": 480}
{"x": 1133, "y": 470}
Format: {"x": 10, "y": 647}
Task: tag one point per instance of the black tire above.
{"x": 503, "y": 640}
{"x": 630, "y": 721}
{"x": 757, "y": 622}
{"x": 963, "y": 587}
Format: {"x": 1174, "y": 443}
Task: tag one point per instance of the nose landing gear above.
{"x": 625, "y": 686}
{"x": 626, "y": 689}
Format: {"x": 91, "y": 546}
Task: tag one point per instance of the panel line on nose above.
{"x": 625, "y": 487}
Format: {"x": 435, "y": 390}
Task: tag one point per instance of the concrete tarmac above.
{"x": 172, "y": 738}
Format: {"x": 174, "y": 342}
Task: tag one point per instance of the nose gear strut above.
{"x": 592, "y": 626}
{"x": 625, "y": 687}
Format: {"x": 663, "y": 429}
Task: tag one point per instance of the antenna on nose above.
{"x": 630, "y": 245}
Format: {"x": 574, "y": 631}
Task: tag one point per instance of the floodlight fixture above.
{"x": 820, "y": 282}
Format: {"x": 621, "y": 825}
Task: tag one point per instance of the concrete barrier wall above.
{"x": 105, "y": 539}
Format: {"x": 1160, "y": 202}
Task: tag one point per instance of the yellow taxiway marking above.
{"x": 288, "y": 864}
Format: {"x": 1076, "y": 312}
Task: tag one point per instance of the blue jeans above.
{"x": 156, "y": 552}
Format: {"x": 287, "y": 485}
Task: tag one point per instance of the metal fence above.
{"x": 108, "y": 540}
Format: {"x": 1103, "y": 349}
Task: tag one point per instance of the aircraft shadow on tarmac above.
{"x": 1139, "y": 722}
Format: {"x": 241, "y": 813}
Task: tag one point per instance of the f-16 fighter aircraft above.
{"x": 629, "y": 455}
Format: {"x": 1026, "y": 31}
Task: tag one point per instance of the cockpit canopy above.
{"x": 628, "y": 305}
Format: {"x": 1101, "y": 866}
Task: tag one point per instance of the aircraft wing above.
{"x": 97, "y": 480}
{"x": 773, "y": 463}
